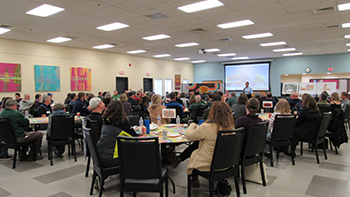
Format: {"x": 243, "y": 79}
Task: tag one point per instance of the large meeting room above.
{"x": 200, "y": 63}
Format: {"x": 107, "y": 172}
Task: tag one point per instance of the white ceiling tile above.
{"x": 89, "y": 7}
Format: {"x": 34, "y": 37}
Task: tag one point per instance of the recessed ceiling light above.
{"x": 226, "y": 54}
{"x": 286, "y": 75}
{"x": 272, "y": 44}
{"x": 292, "y": 54}
{"x": 112, "y": 26}
{"x": 240, "y": 58}
{"x": 181, "y": 58}
{"x": 162, "y": 55}
{"x": 257, "y": 36}
{"x": 45, "y": 10}
{"x": 345, "y": 6}
{"x": 283, "y": 50}
{"x": 190, "y": 44}
{"x": 4, "y": 30}
{"x": 347, "y": 36}
{"x": 136, "y": 51}
{"x": 212, "y": 50}
{"x": 236, "y": 24}
{"x": 198, "y": 61}
{"x": 156, "y": 37}
{"x": 203, "y": 5}
{"x": 104, "y": 46}
{"x": 345, "y": 25}
{"x": 304, "y": 73}
{"x": 328, "y": 73}
{"x": 59, "y": 39}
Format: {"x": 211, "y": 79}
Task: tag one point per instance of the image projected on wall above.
{"x": 10, "y": 77}
{"x": 80, "y": 79}
{"x": 257, "y": 74}
{"x": 47, "y": 78}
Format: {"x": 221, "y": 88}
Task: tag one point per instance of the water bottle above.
{"x": 147, "y": 125}
{"x": 158, "y": 120}
{"x": 262, "y": 111}
{"x": 26, "y": 114}
{"x": 140, "y": 122}
{"x": 200, "y": 121}
{"x": 178, "y": 121}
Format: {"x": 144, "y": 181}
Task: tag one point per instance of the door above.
{"x": 122, "y": 84}
{"x": 148, "y": 84}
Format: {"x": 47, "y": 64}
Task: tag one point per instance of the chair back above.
{"x": 283, "y": 127}
{"x": 178, "y": 110}
{"x": 325, "y": 108}
{"x": 139, "y": 157}
{"x": 347, "y": 112}
{"x": 227, "y": 149}
{"x": 95, "y": 130}
{"x": 267, "y": 104}
{"x": 92, "y": 150}
{"x": 6, "y": 133}
{"x": 324, "y": 124}
{"x": 135, "y": 109}
{"x": 62, "y": 127}
{"x": 133, "y": 120}
{"x": 200, "y": 110}
{"x": 254, "y": 139}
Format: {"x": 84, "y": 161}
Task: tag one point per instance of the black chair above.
{"x": 267, "y": 106}
{"x": 134, "y": 120}
{"x": 95, "y": 133}
{"x": 225, "y": 162}
{"x": 325, "y": 108}
{"x": 200, "y": 111}
{"x": 140, "y": 167}
{"x": 135, "y": 109}
{"x": 62, "y": 133}
{"x": 282, "y": 135}
{"x": 178, "y": 110}
{"x": 99, "y": 171}
{"x": 8, "y": 139}
{"x": 320, "y": 138}
{"x": 253, "y": 149}
{"x": 336, "y": 132}
{"x": 347, "y": 116}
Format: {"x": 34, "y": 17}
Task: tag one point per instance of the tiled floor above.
{"x": 66, "y": 178}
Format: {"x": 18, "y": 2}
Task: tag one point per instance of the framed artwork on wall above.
{"x": 10, "y": 77}
{"x": 80, "y": 79}
{"x": 47, "y": 78}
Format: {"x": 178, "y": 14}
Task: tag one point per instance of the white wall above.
{"x": 105, "y": 66}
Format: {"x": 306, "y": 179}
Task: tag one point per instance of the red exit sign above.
{"x": 330, "y": 69}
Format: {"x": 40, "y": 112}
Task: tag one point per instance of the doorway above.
{"x": 148, "y": 84}
{"x": 122, "y": 84}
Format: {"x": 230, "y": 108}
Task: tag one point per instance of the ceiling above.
{"x": 292, "y": 21}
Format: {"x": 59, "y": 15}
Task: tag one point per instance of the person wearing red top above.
{"x": 137, "y": 96}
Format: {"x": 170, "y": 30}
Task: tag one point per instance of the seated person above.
{"x": 18, "y": 122}
{"x": 58, "y": 110}
{"x": 73, "y": 99}
{"x": 252, "y": 108}
{"x": 232, "y": 100}
{"x": 45, "y": 109}
{"x": 80, "y": 105}
{"x": 269, "y": 98}
{"x": 131, "y": 99}
{"x": 97, "y": 107}
{"x": 173, "y": 104}
{"x": 299, "y": 106}
{"x": 215, "y": 97}
{"x": 193, "y": 108}
{"x": 126, "y": 104}
{"x": 115, "y": 123}
{"x": 156, "y": 108}
{"x": 25, "y": 104}
{"x": 323, "y": 100}
{"x": 335, "y": 99}
{"x": 239, "y": 109}
{"x": 144, "y": 103}
{"x": 293, "y": 100}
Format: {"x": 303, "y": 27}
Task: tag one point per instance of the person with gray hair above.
{"x": 323, "y": 100}
{"x": 25, "y": 103}
{"x": 18, "y": 123}
{"x": 45, "y": 109}
{"x": 193, "y": 108}
{"x": 232, "y": 100}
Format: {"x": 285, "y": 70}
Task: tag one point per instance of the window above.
{"x": 158, "y": 86}
{"x": 185, "y": 81}
{"x": 168, "y": 85}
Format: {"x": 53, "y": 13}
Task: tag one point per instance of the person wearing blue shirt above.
{"x": 173, "y": 104}
{"x": 248, "y": 90}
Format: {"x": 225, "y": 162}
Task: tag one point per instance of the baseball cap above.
{"x": 49, "y": 94}
{"x": 94, "y": 102}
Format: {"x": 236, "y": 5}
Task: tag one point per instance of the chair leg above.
{"x": 316, "y": 152}
{"x": 236, "y": 182}
{"x": 14, "y": 159}
{"x": 324, "y": 150}
{"x": 166, "y": 187}
{"x": 189, "y": 185}
{"x": 211, "y": 188}
{"x": 262, "y": 173}
{"x": 172, "y": 182}
{"x": 134, "y": 194}
{"x": 330, "y": 144}
{"x": 292, "y": 148}
{"x": 336, "y": 150}
{"x": 87, "y": 166}
{"x": 74, "y": 152}
{"x": 271, "y": 152}
{"x": 102, "y": 181}
{"x": 92, "y": 183}
{"x": 278, "y": 153}
{"x": 243, "y": 179}
{"x": 68, "y": 150}
{"x": 301, "y": 148}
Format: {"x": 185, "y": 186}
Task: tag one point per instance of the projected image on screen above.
{"x": 257, "y": 74}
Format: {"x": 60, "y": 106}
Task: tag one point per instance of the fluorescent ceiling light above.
{"x": 283, "y": 50}
{"x": 304, "y": 73}
{"x": 156, "y": 37}
{"x": 226, "y": 54}
{"x": 45, "y": 10}
{"x": 345, "y": 25}
{"x": 345, "y": 6}
{"x": 286, "y": 75}
{"x": 198, "y": 61}
{"x": 203, "y": 5}
{"x": 190, "y": 44}
{"x": 136, "y": 51}
{"x": 162, "y": 55}
{"x": 349, "y": 50}
{"x": 181, "y": 58}
{"x": 272, "y": 44}
{"x": 347, "y": 36}
{"x": 212, "y": 50}
{"x": 240, "y": 58}
{"x": 292, "y": 54}
{"x": 236, "y": 24}
{"x": 257, "y": 36}
{"x": 328, "y": 73}
{"x": 112, "y": 26}
{"x": 59, "y": 39}
{"x": 4, "y": 30}
{"x": 104, "y": 46}
{"x": 348, "y": 44}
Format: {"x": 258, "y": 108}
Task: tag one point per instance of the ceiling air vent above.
{"x": 227, "y": 39}
{"x": 330, "y": 26}
{"x": 157, "y": 16}
{"x": 323, "y": 10}
{"x": 198, "y": 30}
{"x": 6, "y": 26}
